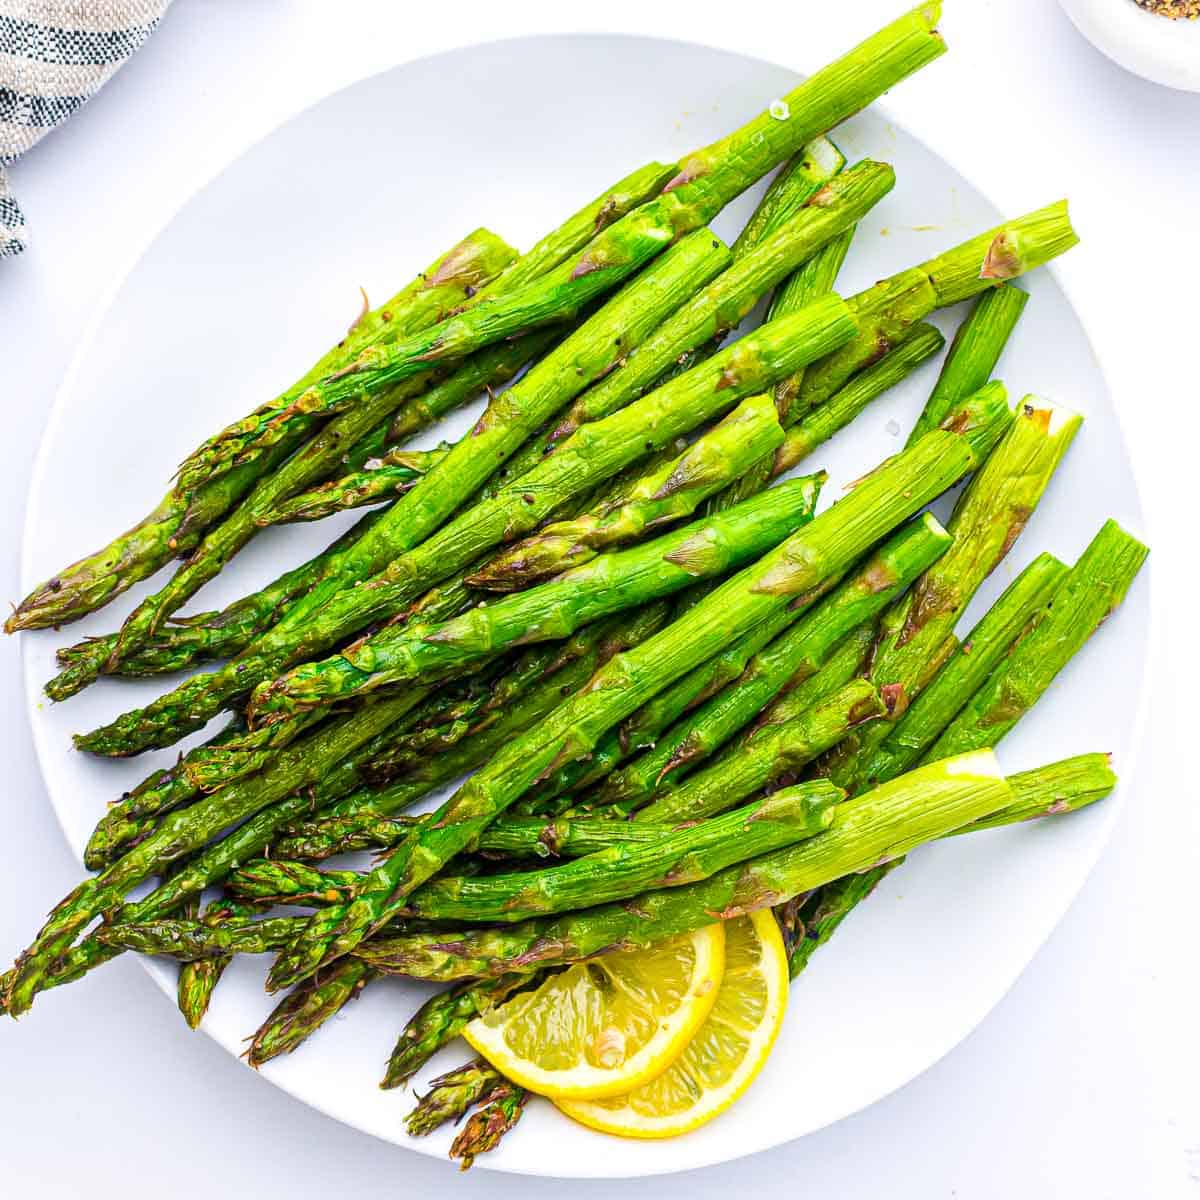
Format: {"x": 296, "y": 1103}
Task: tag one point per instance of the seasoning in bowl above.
{"x": 1176, "y": 10}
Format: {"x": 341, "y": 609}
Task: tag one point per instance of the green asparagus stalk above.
{"x": 381, "y": 480}
{"x": 706, "y": 181}
{"x": 486, "y": 1126}
{"x": 886, "y": 311}
{"x": 878, "y": 826}
{"x": 622, "y": 862}
{"x": 450, "y": 1096}
{"x": 569, "y": 836}
{"x": 1052, "y": 790}
{"x": 818, "y": 426}
{"x": 610, "y": 583}
{"x": 807, "y": 283}
{"x": 1095, "y": 586}
{"x": 915, "y": 636}
{"x": 774, "y": 752}
{"x": 173, "y": 528}
{"x": 283, "y": 882}
{"x": 797, "y": 653}
{"x": 812, "y": 280}
{"x": 176, "y": 525}
{"x": 591, "y": 350}
{"x": 198, "y": 978}
{"x": 821, "y": 550}
{"x": 306, "y": 1008}
{"x": 982, "y": 650}
{"x": 439, "y": 1021}
{"x": 974, "y": 353}
{"x": 664, "y": 494}
{"x": 677, "y": 857}
{"x": 793, "y": 185}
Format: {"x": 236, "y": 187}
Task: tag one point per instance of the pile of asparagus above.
{"x": 672, "y": 688}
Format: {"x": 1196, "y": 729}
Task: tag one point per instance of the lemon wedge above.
{"x": 606, "y": 1026}
{"x": 726, "y": 1053}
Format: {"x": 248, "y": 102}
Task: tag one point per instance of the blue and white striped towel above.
{"x": 54, "y": 55}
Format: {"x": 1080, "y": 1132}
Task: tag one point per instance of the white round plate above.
{"x": 1146, "y": 43}
{"x": 260, "y": 271}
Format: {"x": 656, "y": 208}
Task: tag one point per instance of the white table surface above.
{"x": 1080, "y": 1082}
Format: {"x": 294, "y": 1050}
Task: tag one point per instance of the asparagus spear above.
{"x": 886, "y": 311}
{"x": 306, "y": 1008}
{"x": 1023, "y": 601}
{"x": 198, "y": 978}
{"x": 486, "y": 1126}
{"x": 595, "y": 452}
{"x": 664, "y": 494}
{"x": 915, "y": 636}
{"x": 974, "y": 353}
{"x": 184, "y": 513}
{"x": 1045, "y": 791}
{"x": 777, "y": 751}
{"x": 821, "y": 550}
{"x": 439, "y": 1021}
{"x": 807, "y": 283}
{"x": 380, "y": 480}
{"x": 610, "y": 583}
{"x": 677, "y": 857}
{"x": 818, "y": 426}
{"x": 810, "y": 281}
{"x": 1095, "y": 586}
{"x": 706, "y": 181}
{"x": 1052, "y": 790}
{"x": 451, "y": 1095}
{"x": 793, "y": 186}
{"x": 880, "y": 825}
{"x": 597, "y": 346}
{"x": 610, "y": 857}
{"x": 797, "y": 653}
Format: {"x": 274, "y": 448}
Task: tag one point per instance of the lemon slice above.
{"x": 724, "y": 1056}
{"x": 606, "y": 1026}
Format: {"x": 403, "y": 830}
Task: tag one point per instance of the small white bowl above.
{"x": 1143, "y": 42}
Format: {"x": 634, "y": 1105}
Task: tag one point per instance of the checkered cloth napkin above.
{"x": 54, "y": 54}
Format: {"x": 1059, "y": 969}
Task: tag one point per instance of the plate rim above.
{"x": 158, "y": 971}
